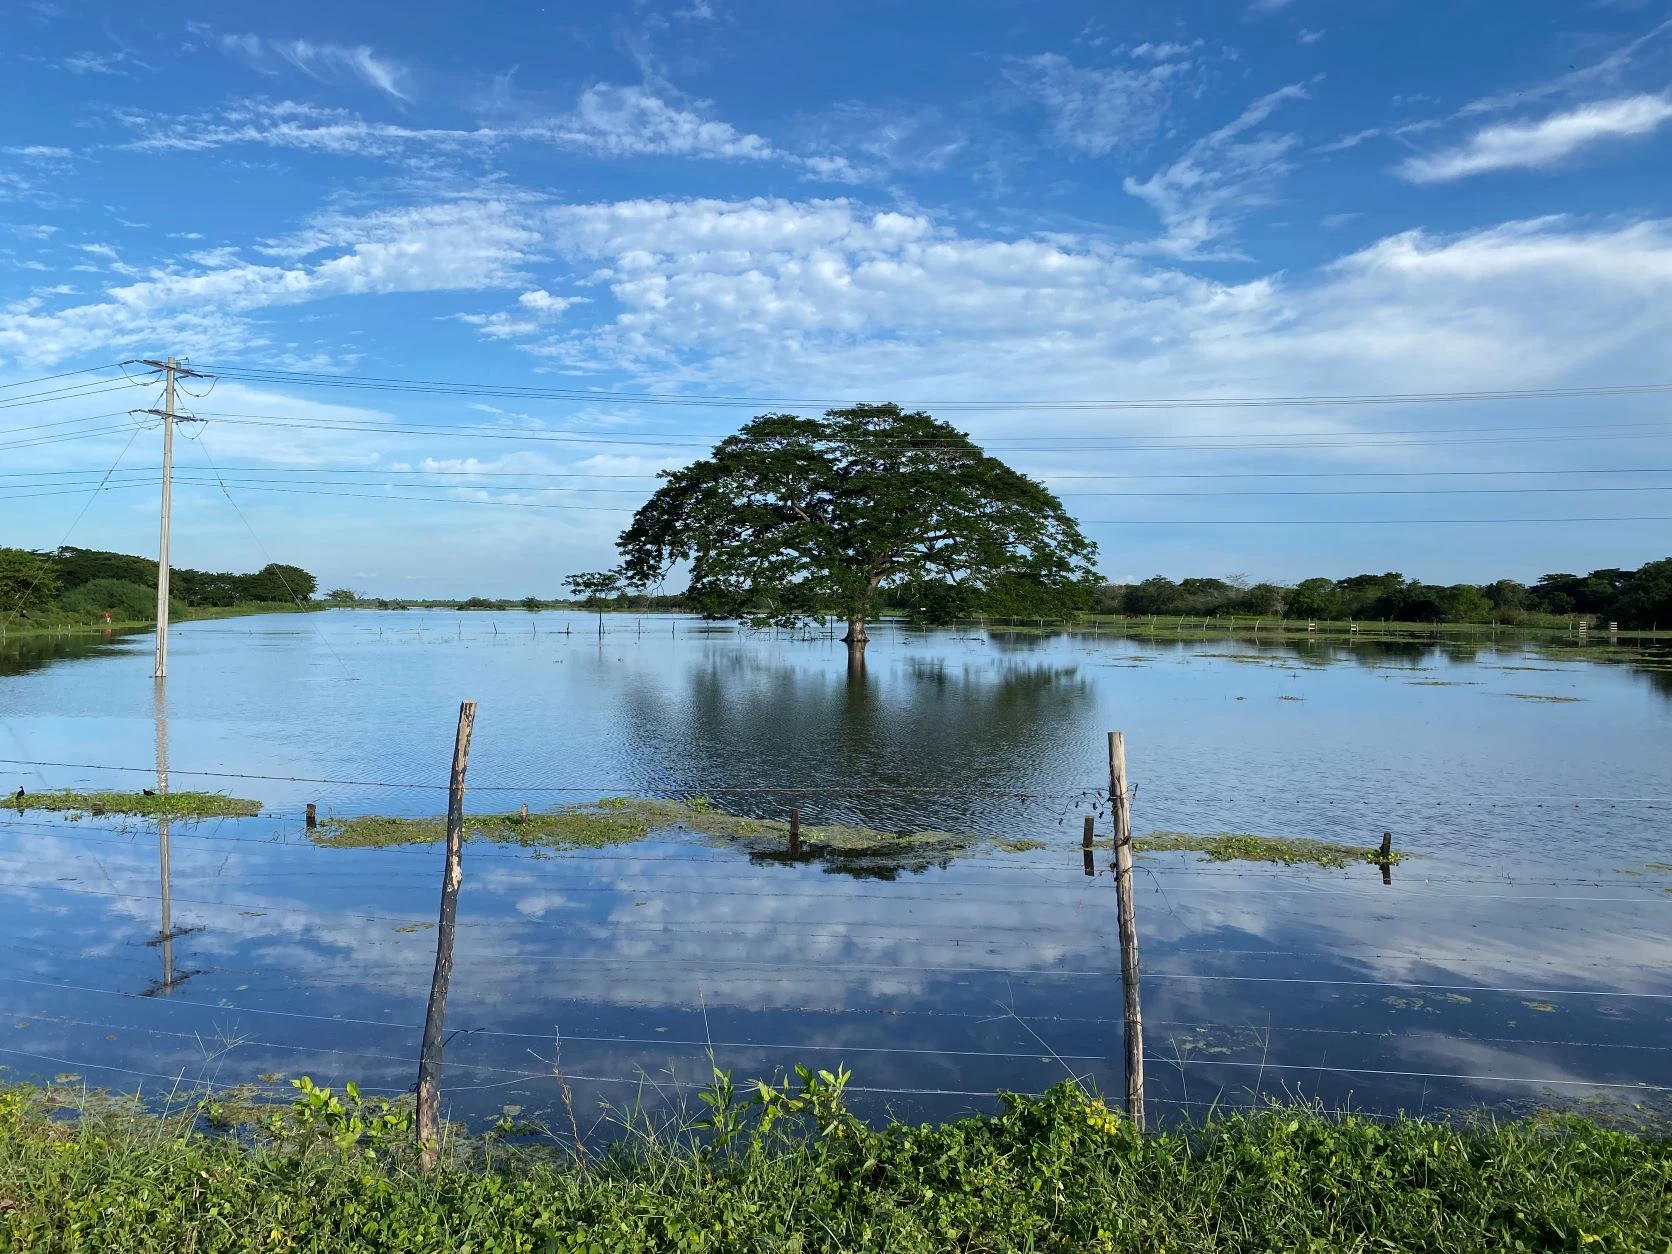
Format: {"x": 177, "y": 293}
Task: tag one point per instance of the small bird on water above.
{"x": 18, "y": 795}
{"x": 147, "y": 792}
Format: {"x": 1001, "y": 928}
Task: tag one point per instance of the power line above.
{"x": 63, "y": 422}
{"x": 1084, "y": 522}
{"x": 640, "y": 492}
{"x": 382, "y": 383}
{"x": 52, "y": 395}
{"x": 77, "y": 491}
{"x": 1654, "y": 424}
{"x": 70, "y": 530}
{"x": 48, "y": 378}
{"x": 1049, "y": 476}
{"x": 1000, "y": 443}
{"x": 69, "y": 438}
{"x": 276, "y": 567}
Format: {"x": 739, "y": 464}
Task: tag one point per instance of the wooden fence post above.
{"x": 795, "y": 832}
{"x": 1119, "y": 804}
{"x": 429, "y": 1058}
{"x": 312, "y": 816}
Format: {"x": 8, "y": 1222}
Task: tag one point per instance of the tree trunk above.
{"x": 857, "y": 637}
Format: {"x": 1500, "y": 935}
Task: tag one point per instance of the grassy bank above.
{"x": 43, "y": 622}
{"x": 1054, "y": 1173}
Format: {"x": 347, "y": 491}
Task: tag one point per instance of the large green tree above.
{"x": 794, "y": 518}
{"x": 27, "y": 582}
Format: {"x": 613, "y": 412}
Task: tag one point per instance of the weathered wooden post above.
{"x": 1118, "y": 802}
{"x": 429, "y": 1058}
{"x": 795, "y": 832}
{"x": 312, "y": 817}
{"x": 1088, "y": 832}
{"x": 522, "y": 811}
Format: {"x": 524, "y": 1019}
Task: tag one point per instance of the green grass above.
{"x": 53, "y": 621}
{"x": 1246, "y": 847}
{"x": 1055, "y": 1173}
{"x": 189, "y": 805}
{"x": 624, "y": 820}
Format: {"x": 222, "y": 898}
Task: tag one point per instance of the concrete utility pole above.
{"x": 171, "y": 369}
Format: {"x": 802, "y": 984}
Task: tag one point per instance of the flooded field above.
{"x": 939, "y": 934}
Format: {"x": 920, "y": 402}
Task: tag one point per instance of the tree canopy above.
{"x": 79, "y": 583}
{"x": 794, "y": 518}
{"x": 27, "y": 581}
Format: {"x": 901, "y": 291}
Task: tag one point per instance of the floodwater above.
{"x": 1521, "y": 955}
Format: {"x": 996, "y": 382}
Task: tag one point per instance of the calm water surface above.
{"x": 1522, "y": 955}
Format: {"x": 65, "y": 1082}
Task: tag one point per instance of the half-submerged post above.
{"x": 1118, "y": 802}
{"x": 1086, "y": 836}
{"x": 429, "y": 1058}
{"x": 795, "y": 832}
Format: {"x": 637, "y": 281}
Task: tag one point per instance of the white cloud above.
{"x": 304, "y": 127}
{"x": 1608, "y": 69}
{"x": 544, "y": 303}
{"x": 633, "y": 121}
{"x": 1264, "y": 7}
{"x": 832, "y": 297}
{"x": 1541, "y": 144}
{"x": 499, "y": 326}
{"x": 1220, "y": 177}
{"x": 1098, "y": 110}
{"x": 1163, "y": 51}
{"x": 325, "y": 62}
{"x": 43, "y": 152}
{"x": 113, "y": 64}
{"x": 454, "y": 246}
{"x": 1310, "y": 36}
{"x": 608, "y": 121}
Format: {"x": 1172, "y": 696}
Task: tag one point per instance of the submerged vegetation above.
{"x": 786, "y": 1166}
{"x": 145, "y": 804}
{"x": 1246, "y": 847}
{"x": 625, "y": 820}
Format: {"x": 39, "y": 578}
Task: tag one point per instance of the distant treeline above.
{"x": 1633, "y": 598}
{"x": 73, "y": 583}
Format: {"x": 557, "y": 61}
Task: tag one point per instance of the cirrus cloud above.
{"x": 1542, "y": 144}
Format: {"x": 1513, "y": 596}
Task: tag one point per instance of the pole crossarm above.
{"x": 163, "y": 413}
{"x": 179, "y": 371}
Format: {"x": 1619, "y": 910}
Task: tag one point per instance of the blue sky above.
{"x": 980, "y": 202}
